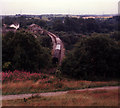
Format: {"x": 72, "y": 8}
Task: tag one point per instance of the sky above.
{"x": 79, "y": 7}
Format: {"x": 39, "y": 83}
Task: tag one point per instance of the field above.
{"x": 25, "y": 82}
{"x": 72, "y": 98}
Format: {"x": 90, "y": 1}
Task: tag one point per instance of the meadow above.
{"x": 72, "y": 98}
{"x": 20, "y": 82}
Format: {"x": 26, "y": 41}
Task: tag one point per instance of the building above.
{"x": 34, "y": 28}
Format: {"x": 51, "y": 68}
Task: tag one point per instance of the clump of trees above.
{"x": 80, "y": 25}
{"x": 23, "y": 21}
{"x": 45, "y": 41}
{"x": 67, "y": 24}
{"x": 116, "y": 35}
{"x": 69, "y": 39}
{"x": 93, "y": 58}
{"x": 22, "y": 51}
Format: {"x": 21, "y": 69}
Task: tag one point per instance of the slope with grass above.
{"x": 18, "y": 82}
{"x": 94, "y": 97}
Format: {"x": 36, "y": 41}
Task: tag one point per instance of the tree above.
{"x": 24, "y": 52}
{"x": 45, "y": 41}
{"x": 58, "y": 25}
{"x": 94, "y": 58}
{"x": 116, "y": 36}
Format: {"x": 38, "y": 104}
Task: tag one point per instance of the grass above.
{"x": 23, "y": 82}
{"x": 56, "y": 85}
{"x": 72, "y": 98}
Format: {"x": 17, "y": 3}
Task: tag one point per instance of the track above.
{"x": 35, "y": 29}
{"x": 22, "y": 96}
{"x": 55, "y": 40}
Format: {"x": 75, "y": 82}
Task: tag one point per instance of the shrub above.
{"x": 16, "y": 76}
{"x": 24, "y": 52}
{"x": 95, "y": 58}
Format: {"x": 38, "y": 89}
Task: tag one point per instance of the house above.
{"x": 15, "y": 26}
{"x": 34, "y": 28}
{"x": 7, "y": 28}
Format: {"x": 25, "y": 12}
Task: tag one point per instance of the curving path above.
{"x": 22, "y": 96}
{"x": 33, "y": 28}
{"x": 55, "y": 41}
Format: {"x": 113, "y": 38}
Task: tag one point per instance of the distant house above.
{"x": 34, "y": 28}
{"x": 7, "y": 28}
{"x": 15, "y": 26}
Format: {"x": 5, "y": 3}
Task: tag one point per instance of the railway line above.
{"x": 58, "y": 48}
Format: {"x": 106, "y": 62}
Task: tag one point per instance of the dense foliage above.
{"x": 17, "y": 76}
{"x": 67, "y": 24}
{"x": 22, "y": 51}
{"x": 69, "y": 39}
{"x": 45, "y": 41}
{"x": 94, "y": 58}
{"x": 116, "y": 35}
{"x": 23, "y": 21}
{"x": 80, "y": 25}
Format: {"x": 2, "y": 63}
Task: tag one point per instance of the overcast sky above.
{"x": 12, "y": 7}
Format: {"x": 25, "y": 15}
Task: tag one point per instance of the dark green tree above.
{"x": 24, "y": 52}
{"x": 58, "y": 25}
{"x": 94, "y": 58}
{"x": 45, "y": 41}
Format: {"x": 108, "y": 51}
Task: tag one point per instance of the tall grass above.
{"x": 18, "y": 82}
{"x": 17, "y": 76}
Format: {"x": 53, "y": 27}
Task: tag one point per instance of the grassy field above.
{"x": 72, "y": 98}
{"x": 23, "y": 82}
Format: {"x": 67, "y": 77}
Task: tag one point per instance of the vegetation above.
{"x": 23, "y": 21}
{"x": 80, "y": 25}
{"x": 45, "y": 41}
{"x": 22, "y": 51}
{"x": 17, "y": 76}
{"x": 93, "y": 98}
{"x": 93, "y": 54}
{"x": 19, "y": 82}
{"x": 69, "y": 39}
{"x": 94, "y": 58}
{"x": 67, "y": 24}
{"x": 116, "y": 35}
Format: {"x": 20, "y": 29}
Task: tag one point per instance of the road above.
{"x": 22, "y": 96}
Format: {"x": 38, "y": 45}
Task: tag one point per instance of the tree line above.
{"x": 80, "y": 25}
{"x": 67, "y": 24}
{"x": 93, "y": 58}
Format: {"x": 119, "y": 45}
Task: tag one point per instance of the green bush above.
{"x": 93, "y": 58}
{"x": 24, "y": 52}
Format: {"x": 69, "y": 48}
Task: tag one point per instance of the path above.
{"x": 22, "y": 96}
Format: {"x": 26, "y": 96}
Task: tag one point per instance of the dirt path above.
{"x": 22, "y": 96}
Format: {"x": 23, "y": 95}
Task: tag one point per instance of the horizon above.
{"x": 73, "y": 7}
{"x": 61, "y": 14}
